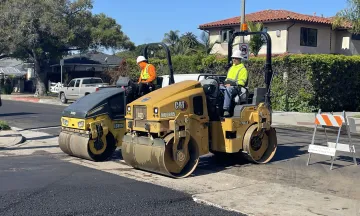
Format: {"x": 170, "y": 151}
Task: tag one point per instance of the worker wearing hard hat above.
{"x": 236, "y": 78}
{"x": 147, "y": 79}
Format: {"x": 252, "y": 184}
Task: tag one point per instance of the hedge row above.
{"x": 329, "y": 82}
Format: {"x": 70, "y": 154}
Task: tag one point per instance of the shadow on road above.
{"x": 43, "y": 127}
{"x": 340, "y": 162}
{"x": 16, "y": 114}
{"x": 289, "y": 151}
{"x": 30, "y": 147}
{"x": 41, "y": 137}
{"x": 210, "y": 163}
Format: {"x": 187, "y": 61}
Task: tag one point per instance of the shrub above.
{"x": 325, "y": 81}
{"x": 4, "y": 125}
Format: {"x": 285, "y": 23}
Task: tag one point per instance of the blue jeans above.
{"x": 229, "y": 93}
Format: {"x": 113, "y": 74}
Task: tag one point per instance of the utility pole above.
{"x": 242, "y": 38}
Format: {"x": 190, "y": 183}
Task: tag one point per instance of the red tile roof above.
{"x": 270, "y": 16}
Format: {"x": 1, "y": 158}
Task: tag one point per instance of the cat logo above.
{"x": 181, "y": 105}
{"x": 118, "y": 125}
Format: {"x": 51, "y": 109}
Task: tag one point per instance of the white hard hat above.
{"x": 140, "y": 59}
{"x": 237, "y": 54}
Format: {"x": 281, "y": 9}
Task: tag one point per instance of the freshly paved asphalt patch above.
{"x": 41, "y": 185}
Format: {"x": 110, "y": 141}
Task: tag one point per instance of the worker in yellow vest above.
{"x": 236, "y": 78}
{"x": 147, "y": 79}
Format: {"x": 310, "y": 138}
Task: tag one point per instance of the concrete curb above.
{"x": 14, "y": 136}
{"x": 204, "y": 202}
{"x": 311, "y": 129}
{"x": 34, "y": 100}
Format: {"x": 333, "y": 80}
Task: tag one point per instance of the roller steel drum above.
{"x": 78, "y": 145}
{"x": 156, "y": 156}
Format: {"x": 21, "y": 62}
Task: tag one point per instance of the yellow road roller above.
{"x": 169, "y": 129}
{"x": 93, "y": 126}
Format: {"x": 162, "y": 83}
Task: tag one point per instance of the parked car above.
{"x": 80, "y": 87}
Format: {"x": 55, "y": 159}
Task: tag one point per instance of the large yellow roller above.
{"x": 170, "y": 128}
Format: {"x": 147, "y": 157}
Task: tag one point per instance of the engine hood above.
{"x": 81, "y": 107}
{"x": 161, "y": 94}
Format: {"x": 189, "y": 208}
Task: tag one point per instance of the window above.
{"x": 198, "y": 105}
{"x": 226, "y": 34}
{"x": 71, "y": 83}
{"x": 77, "y": 84}
{"x": 117, "y": 105}
{"x": 92, "y": 81}
{"x": 355, "y": 36}
{"x": 308, "y": 37}
{"x": 86, "y": 81}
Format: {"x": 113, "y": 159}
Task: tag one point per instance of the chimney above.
{"x": 314, "y": 13}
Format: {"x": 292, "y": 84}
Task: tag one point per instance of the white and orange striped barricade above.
{"x": 333, "y": 121}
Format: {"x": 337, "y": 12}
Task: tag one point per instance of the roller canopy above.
{"x": 113, "y": 98}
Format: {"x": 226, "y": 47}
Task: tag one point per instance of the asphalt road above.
{"x": 25, "y": 115}
{"x": 288, "y": 167}
{"x": 40, "y": 185}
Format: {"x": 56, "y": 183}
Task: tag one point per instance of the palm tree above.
{"x": 256, "y": 41}
{"x": 189, "y": 39}
{"x": 172, "y": 38}
{"x": 205, "y": 41}
{"x": 349, "y": 16}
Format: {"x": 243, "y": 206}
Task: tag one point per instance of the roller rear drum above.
{"x": 260, "y": 147}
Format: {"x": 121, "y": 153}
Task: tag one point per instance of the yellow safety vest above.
{"x": 238, "y": 74}
{"x": 145, "y": 75}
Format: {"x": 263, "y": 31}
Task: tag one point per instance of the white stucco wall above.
{"x": 328, "y": 40}
{"x": 323, "y": 39}
{"x": 278, "y": 43}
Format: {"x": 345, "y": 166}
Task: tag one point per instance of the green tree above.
{"x": 349, "y": 16}
{"x": 256, "y": 41}
{"x": 40, "y": 31}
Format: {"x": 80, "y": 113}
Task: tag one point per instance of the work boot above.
{"x": 226, "y": 114}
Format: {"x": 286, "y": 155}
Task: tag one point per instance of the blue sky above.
{"x": 147, "y": 21}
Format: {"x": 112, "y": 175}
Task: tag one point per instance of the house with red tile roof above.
{"x": 290, "y": 32}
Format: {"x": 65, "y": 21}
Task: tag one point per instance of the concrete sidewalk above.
{"x": 306, "y": 120}
{"x": 10, "y": 138}
{"x": 30, "y": 98}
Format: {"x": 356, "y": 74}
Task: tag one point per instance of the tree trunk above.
{"x": 40, "y": 77}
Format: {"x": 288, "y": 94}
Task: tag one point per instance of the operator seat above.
{"x": 212, "y": 92}
{"x": 159, "y": 81}
{"x": 242, "y": 96}
{"x": 211, "y": 87}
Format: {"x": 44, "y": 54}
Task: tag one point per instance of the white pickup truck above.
{"x": 80, "y": 87}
